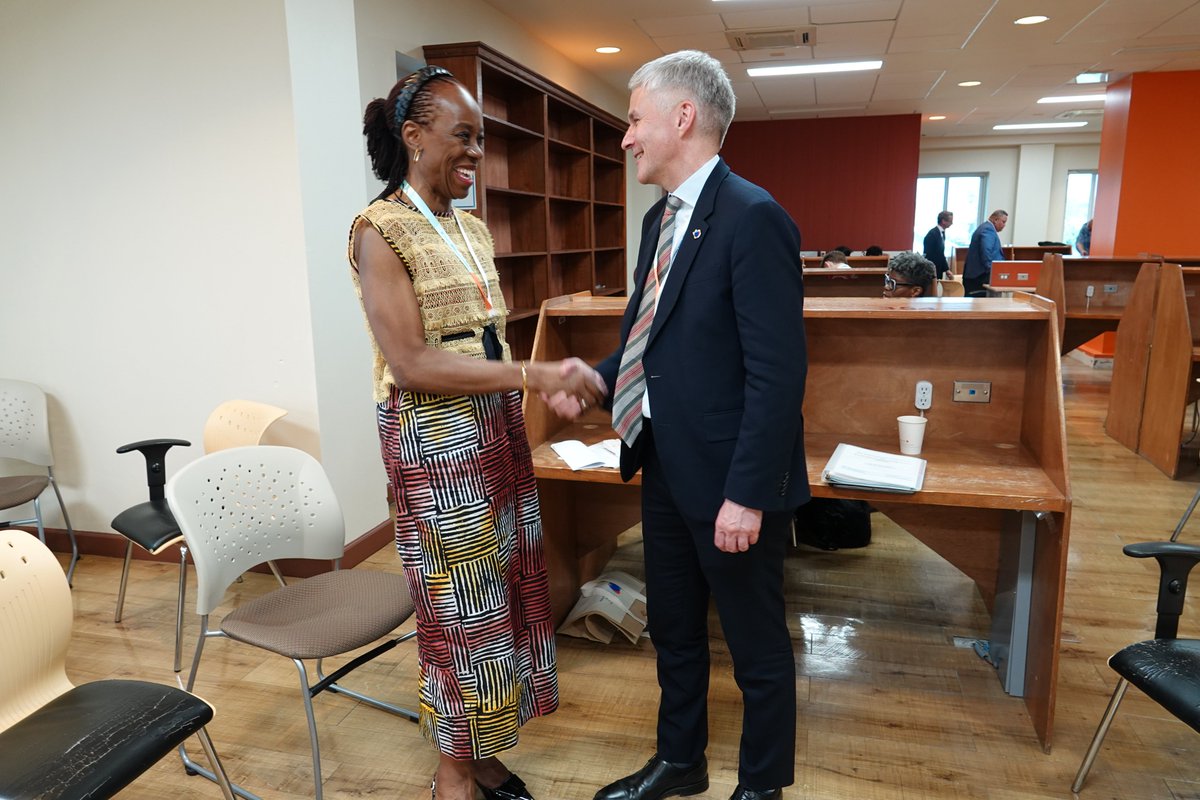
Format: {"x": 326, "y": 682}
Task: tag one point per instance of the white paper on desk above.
{"x": 858, "y": 468}
{"x": 580, "y": 456}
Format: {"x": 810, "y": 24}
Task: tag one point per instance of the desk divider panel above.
{"x": 1131, "y": 359}
{"x": 843, "y": 282}
{"x": 1169, "y": 374}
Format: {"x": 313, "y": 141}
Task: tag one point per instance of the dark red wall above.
{"x": 848, "y": 180}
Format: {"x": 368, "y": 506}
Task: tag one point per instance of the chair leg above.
{"x": 312, "y": 724}
{"x": 215, "y": 761}
{"x": 70, "y": 529}
{"x": 124, "y": 581}
{"x": 1186, "y": 514}
{"x": 1086, "y": 766}
{"x": 179, "y": 607}
{"x": 275, "y": 571}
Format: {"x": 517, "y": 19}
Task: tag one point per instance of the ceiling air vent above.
{"x": 1080, "y": 113}
{"x": 770, "y": 39}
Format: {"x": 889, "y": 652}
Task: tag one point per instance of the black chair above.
{"x": 1166, "y": 667}
{"x": 151, "y": 526}
{"x": 64, "y": 742}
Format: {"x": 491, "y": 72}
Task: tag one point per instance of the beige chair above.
{"x": 947, "y": 287}
{"x": 238, "y": 508}
{"x": 151, "y": 526}
{"x": 62, "y": 741}
{"x": 25, "y": 436}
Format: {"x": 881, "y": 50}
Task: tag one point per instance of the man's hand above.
{"x": 737, "y": 527}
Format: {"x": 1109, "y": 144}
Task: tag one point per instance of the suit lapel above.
{"x": 693, "y": 238}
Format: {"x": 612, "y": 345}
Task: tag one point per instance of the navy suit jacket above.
{"x": 726, "y": 359}
{"x": 935, "y": 249}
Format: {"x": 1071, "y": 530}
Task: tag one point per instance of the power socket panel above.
{"x": 924, "y": 398}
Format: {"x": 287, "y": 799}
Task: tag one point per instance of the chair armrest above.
{"x": 155, "y": 453}
{"x": 1175, "y": 562}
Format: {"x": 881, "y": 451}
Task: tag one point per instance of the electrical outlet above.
{"x": 924, "y": 395}
{"x": 1111, "y": 288}
{"x": 972, "y": 391}
{"x": 1091, "y": 290}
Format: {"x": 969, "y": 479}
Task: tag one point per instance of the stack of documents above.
{"x": 853, "y": 467}
{"x": 580, "y": 456}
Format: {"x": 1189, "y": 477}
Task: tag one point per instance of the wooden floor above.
{"x": 889, "y": 706}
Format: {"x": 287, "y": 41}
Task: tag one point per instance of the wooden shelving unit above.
{"x": 553, "y": 188}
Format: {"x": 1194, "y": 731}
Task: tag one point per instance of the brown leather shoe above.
{"x": 659, "y": 779}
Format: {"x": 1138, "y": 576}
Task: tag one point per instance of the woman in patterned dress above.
{"x": 468, "y": 527}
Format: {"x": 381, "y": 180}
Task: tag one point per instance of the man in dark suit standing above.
{"x": 935, "y": 243}
{"x": 707, "y": 389}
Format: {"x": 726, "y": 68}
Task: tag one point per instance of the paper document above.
{"x": 580, "y": 456}
{"x": 853, "y": 467}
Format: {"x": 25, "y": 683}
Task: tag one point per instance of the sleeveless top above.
{"x": 453, "y": 311}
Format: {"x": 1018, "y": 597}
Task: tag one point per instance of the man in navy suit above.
{"x": 935, "y": 243}
{"x": 983, "y": 250}
{"x": 711, "y": 414}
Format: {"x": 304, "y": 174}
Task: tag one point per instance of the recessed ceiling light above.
{"x": 936, "y": 117}
{"x": 970, "y": 83}
{"x": 1092, "y": 77}
{"x": 810, "y": 69}
{"x": 1074, "y": 98}
{"x": 608, "y": 50}
{"x": 1029, "y": 126}
{"x": 1033, "y": 20}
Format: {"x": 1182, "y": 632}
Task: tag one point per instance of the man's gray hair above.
{"x": 699, "y": 77}
{"x": 913, "y": 268}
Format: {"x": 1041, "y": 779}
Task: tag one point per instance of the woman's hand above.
{"x": 569, "y": 387}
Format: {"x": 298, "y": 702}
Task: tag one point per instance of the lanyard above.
{"x": 481, "y": 283}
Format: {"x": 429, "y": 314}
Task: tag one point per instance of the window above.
{"x": 1081, "y": 202}
{"x": 962, "y": 194}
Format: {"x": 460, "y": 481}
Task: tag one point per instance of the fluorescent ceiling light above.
{"x": 1092, "y": 77}
{"x": 1073, "y": 98}
{"x": 810, "y": 69}
{"x": 608, "y": 50}
{"x": 936, "y": 117}
{"x": 1033, "y": 20}
{"x": 969, "y": 83}
{"x": 1029, "y": 126}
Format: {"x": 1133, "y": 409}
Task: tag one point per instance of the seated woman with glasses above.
{"x": 909, "y": 274}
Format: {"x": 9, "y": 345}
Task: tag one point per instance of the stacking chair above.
{"x": 62, "y": 742}
{"x": 238, "y": 508}
{"x": 1166, "y": 667}
{"x": 25, "y": 436}
{"x": 151, "y": 525}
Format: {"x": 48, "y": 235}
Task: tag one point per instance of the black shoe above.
{"x": 659, "y": 779}
{"x": 742, "y": 793}
{"x": 512, "y": 789}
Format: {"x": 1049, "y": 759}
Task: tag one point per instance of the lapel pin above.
{"x": 696, "y": 233}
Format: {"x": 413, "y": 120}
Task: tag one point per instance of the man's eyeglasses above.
{"x": 891, "y": 283}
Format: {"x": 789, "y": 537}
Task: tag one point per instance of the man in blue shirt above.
{"x": 1083, "y": 242}
{"x": 983, "y": 250}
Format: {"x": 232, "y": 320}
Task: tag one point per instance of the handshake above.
{"x": 569, "y": 387}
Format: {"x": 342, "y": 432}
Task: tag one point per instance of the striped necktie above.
{"x": 631, "y": 378}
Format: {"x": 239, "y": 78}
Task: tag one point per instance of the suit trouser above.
{"x": 683, "y": 568}
{"x": 973, "y": 287}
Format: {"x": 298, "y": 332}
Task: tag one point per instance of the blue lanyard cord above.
{"x": 481, "y": 283}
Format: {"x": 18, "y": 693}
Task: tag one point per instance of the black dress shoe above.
{"x": 512, "y": 789}
{"x": 659, "y": 779}
{"x": 742, "y": 793}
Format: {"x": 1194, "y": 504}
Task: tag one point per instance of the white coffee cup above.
{"x": 912, "y": 433}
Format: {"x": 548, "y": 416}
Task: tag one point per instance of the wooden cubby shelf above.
{"x": 553, "y": 187}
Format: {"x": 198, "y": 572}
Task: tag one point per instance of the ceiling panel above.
{"x": 1185, "y": 23}
{"x": 855, "y": 12}
{"x": 768, "y": 18}
{"x": 788, "y": 92}
{"x": 1122, "y": 20}
{"x": 675, "y": 26}
{"x": 845, "y": 89}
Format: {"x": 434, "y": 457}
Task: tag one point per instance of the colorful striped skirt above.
{"x": 469, "y": 533}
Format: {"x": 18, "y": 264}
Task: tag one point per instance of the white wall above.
{"x": 151, "y": 238}
{"x": 1027, "y": 178}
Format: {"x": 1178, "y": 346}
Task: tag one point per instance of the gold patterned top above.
{"x": 450, "y": 300}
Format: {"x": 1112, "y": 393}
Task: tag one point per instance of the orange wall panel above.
{"x": 1146, "y": 199}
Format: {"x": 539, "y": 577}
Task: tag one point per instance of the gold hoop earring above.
{"x": 417, "y": 155}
